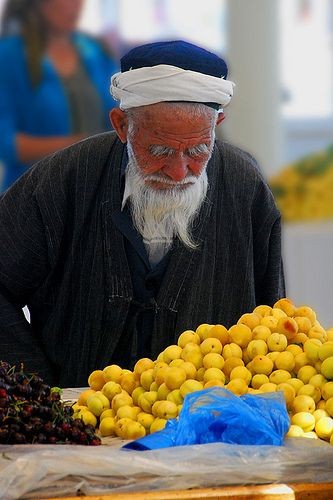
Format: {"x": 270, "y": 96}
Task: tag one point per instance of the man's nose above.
{"x": 177, "y": 169}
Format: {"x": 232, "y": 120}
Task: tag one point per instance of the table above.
{"x": 304, "y": 491}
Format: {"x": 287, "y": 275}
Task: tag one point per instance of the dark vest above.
{"x": 146, "y": 282}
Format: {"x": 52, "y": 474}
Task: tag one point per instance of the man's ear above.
{"x": 220, "y": 118}
{"x": 119, "y": 122}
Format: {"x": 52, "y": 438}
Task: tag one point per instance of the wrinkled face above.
{"x": 61, "y": 15}
{"x": 171, "y": 151}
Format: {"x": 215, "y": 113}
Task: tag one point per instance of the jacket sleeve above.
{"x": 23, "y": 266}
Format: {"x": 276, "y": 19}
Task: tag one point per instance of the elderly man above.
{"x": 122, "y": 241}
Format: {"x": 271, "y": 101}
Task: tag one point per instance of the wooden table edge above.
{"x": 301, "y": 491}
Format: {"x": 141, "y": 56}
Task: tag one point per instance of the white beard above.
{"x": 160, "y": 215}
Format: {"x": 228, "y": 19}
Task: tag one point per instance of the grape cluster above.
{"x": 31, "y": 412}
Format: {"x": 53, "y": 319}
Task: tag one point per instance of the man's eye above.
{"x": 194, "y": 154}
{"x": 198, "y": 151}
{"x": 160, "y": 151}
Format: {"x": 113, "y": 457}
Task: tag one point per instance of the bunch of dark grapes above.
{"x": 31, "y": 412}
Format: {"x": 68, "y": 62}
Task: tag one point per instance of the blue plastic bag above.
{"x": 217, "y": 415}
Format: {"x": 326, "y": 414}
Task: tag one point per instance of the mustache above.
{"x": 189, "y": 179}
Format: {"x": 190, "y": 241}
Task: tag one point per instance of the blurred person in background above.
{"x": 122, "y": 241}
{"x": 53, "y": 82}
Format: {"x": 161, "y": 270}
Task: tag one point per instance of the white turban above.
{"x": 153, "y": 84}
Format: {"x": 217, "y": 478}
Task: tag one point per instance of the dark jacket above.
{"x": 63, "y": 256}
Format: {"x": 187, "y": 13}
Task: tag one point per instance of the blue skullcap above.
{"x": 171, "y": 71}
{"x": 178, "y": 53}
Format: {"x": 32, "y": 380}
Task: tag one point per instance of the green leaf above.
{"x": 56, "y": 389}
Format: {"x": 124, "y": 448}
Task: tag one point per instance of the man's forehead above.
{"x": 176, "y": 140}
{"x": 172, "y": 126}
{"x": 184, "y": 109}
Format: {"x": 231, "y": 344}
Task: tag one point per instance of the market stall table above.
{"x": 300, "y": 469}
{"x": 267, "y": 492}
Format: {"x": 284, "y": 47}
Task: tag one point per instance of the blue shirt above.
{"x": 43, "y": 110}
